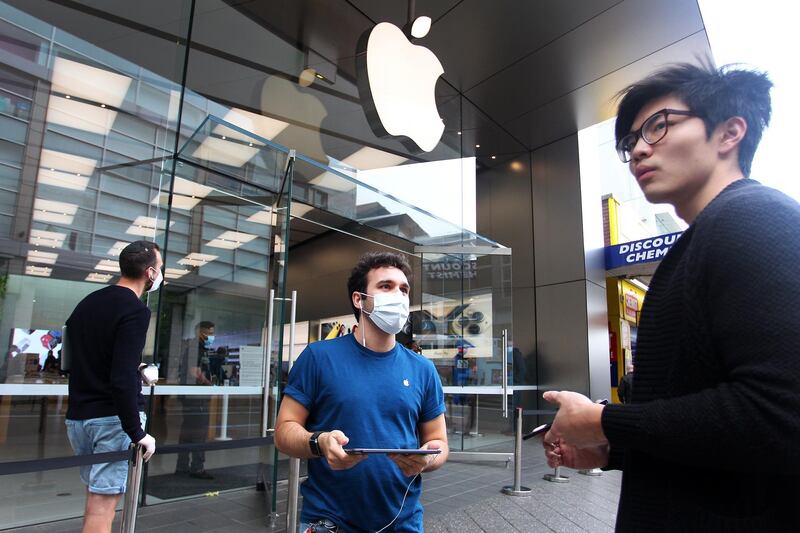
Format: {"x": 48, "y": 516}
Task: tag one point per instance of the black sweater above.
{"x": 711, "y": 440}
{"x": 106, "y": 334}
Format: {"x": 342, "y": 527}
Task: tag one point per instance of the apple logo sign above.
{"x": 397, "y": 82}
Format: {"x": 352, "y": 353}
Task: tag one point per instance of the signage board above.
{"x": 641, "y": 251}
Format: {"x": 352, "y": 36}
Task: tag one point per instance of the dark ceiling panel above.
{"x": 610, "y": 41}
{"x": 396, "y": 11}
{"x": 329, "y": 27}
{"x": 478, "y": 38}
{"x": 594, "y": 102}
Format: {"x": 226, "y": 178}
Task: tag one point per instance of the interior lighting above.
{"x": 230, "y": 240}
{"x": 186, "y": 194}
{"x": 54, "y": 212}
{"x": 88, "y": 83}
{"x": 73, "y": 170}
{"x": 107, "y": 265}
{"x": 34, "y": 270}
{"x": 175, "y": 273}
{"x": 45, "y": 258}
{"x": 51, "y": 239}
{"x": 235, "y": 154}
{"x": 147, "y": 226}
{"x": 117, "y": 248}
{"x": 96, "y": 277}
{"x": 196, "y": 259}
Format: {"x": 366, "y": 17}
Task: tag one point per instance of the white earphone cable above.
{"x": 408, "y": 488}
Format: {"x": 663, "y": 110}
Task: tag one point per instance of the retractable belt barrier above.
{"x": 55, "y": 463}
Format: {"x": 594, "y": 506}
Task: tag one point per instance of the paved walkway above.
{"x": 460, "y": 497}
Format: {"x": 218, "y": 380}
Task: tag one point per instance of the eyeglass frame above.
{"x": 639, "y": 133}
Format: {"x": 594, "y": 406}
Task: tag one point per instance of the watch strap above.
{"x": 313, "y": 443}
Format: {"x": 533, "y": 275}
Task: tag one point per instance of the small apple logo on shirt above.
{"x": 405, "y": 382}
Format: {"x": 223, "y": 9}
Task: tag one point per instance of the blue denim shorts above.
{"x": 100, "y": 435}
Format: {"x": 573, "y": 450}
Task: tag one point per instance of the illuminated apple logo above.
{"x": 397, "y": 81}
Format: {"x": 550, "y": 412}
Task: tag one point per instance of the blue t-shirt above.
{"x": 377, "y": 400}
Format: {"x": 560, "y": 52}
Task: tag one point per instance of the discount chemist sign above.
{"x": 642, "y": 251}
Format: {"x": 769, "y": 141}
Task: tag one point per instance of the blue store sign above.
{"x": 643, "y": 251}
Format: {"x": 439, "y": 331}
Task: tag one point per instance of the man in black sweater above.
{"x": 106, "y": 334}
{"x": 711, "y": 438}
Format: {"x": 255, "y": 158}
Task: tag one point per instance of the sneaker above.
{"x": 202, "y": 474}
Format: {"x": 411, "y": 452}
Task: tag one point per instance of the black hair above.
{"x": 137, "y": 257}
{"x": 357, "y": 282}
{"x": 204, "y": 324}
{"x": 715, "y": 95}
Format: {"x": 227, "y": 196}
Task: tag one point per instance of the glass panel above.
{"x": 213, "y": 325}
{"x": 70, "y": 106}
{"x": 22, "y": 494}
{"x": 475, "y": 422}
{"x": 465, "y": 307}
{"x": 281, "y": 311}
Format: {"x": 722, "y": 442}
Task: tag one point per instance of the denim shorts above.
{"x": 100, "y": 435}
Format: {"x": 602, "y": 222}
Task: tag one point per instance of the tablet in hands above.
{"x": 399, "y": 451}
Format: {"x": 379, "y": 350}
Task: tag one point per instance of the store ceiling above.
{"x": 531, "y": 72}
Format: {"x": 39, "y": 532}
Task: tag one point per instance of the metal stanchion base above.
{"x": 223, "y": 438}
{"x": 475, "y": 434}
{"x": 591, "y": 472}
{"x": 509, "y": 491}
{"x": 272, "y": 520}
{"x": 556, "y": 478}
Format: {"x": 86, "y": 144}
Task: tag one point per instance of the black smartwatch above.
{"x": 313, "y": 443}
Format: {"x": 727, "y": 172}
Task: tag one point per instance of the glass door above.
{"x": 225, "y": 269}
{"x": 464, "y": 326}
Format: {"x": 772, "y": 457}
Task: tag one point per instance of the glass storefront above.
{"x": 248, "y": 177}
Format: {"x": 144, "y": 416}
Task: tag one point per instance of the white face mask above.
{"x": 156, "y": 282}
{"x": 389, "y": 311}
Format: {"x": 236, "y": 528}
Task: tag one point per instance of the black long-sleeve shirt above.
{"x": 106, "y": 334}
{"x": 711, "y": 440}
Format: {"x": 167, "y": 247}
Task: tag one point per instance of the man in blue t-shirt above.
{"x": 365, "y": 391}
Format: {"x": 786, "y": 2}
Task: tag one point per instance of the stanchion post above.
{"x": 293, "y": 488}
{"x": 223, "y": 432}
{"x": 556, "y": 476}
{"x": 130, "y": 506}
{"x": 517, "y": 489}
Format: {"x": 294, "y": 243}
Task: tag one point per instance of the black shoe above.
{"x": 202, "y": 474}
{"x": 181, "y": 472}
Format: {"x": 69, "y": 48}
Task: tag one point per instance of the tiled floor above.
{"x": 460, "y": 497}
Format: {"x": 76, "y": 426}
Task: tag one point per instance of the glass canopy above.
{"x": 233, "y": 151}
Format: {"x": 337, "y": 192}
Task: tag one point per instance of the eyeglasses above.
{"x": 653, "y": 130}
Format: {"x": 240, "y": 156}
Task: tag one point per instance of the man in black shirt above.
{"x": 106, "y": 334}
{"x": 710, "y": 439}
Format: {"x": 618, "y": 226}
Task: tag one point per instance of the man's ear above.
{"x": 731, "y": 133}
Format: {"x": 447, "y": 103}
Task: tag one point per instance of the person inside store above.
{"x": 710, "y": 439}
{"x": 195, "y": 369}
{"x": 106, "y": 333}
{"x": 414, "y": 347}
{"x": 365, "y": 391}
